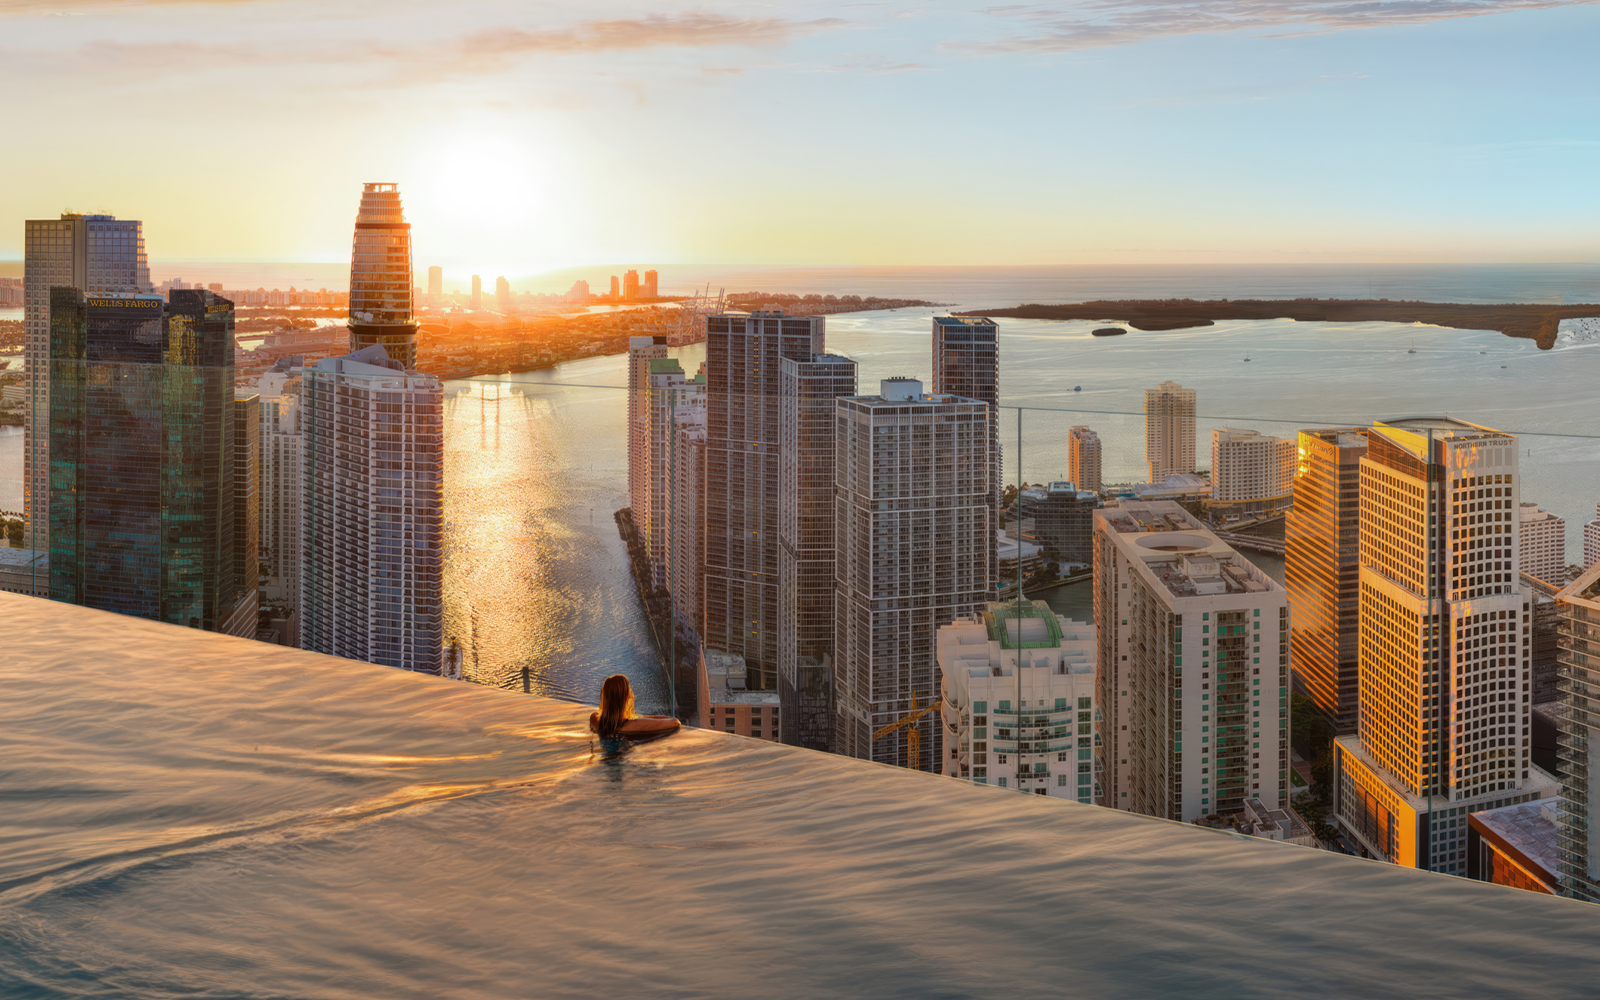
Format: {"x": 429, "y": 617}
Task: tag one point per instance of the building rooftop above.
{"x": 189, "y": 813}
{"x": 1180, "y": 553}
{"x": 18, "y": 559}
{"x": 1530, "y": 828}
{"x": 1022, "y": 625}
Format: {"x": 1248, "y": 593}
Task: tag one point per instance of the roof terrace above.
{"x": 192, "y": 814}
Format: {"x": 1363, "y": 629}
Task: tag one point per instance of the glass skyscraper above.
{"x": 381, "y": 310}
{"x": 100, "y": 254}
{"x": 146, "y": 498}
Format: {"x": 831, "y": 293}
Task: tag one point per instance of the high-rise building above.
{"x": 435, "y": 283}
{"x": 1169, "y": 595}
{"x": 1063, "y": 520}
{"x": 578, "y": 293}
{"x": 1322, "y": 569}
{"x": 1252, "y": 474}
{"x": 370, "y": 533}
{"x": 1443, "y": 644}
{"x": 151, "y": 484}
{"x": 966, "y": 363}
{"x": 686, "y": 507}
{"x": 1578, "y": 648}
{"x": 247, "y": 496}
{"x": 666, "y": 390}
{"x": 1542, "y": 537}
{"x": 100, "y": 255}
{"x": 641, "y": 352}
{"x": 381, "y": 310}
{"x": 1169, "y": 430}
{"x": 477, "y": 293}
{"x": 502, "y": 293}
{"x": 915, "y": 535}
{"x": 615, "y": 295}
{"x": 282, "y": 486}
{"x": 1017, "y": 700}
{"x": 1591, "y": 540}
{"x": 1083, "y": 459}
{"x": 739, "y": 588}
{"x": 630, "y": 285}
{"x": 806, "y": 420}
{"x": 651, "y": 290}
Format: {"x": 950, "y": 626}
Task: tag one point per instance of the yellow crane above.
{"x": 913, "y": 738}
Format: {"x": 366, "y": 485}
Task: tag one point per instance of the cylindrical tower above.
{"x": 380, "y": 276}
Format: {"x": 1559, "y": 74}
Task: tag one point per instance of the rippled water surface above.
{"x": 189, "y": 815}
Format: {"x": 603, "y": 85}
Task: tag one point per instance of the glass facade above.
{"x": 144, "y": 455}
{"x": 1322, "y": 569}
{"x": 381, "y": 309}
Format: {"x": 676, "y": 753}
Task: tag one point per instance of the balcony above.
{"x": 188, "y": 813}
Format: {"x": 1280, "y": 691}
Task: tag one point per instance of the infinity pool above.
{"x": 190, "y": 815}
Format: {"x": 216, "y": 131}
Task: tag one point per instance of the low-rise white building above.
{"x": 1018, "y": 700}
{"x": 1542, "y": 540}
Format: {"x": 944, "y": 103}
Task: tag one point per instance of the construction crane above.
{"x": 913, "y": 738}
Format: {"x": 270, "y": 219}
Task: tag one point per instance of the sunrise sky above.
{"x": 529, "y": 136}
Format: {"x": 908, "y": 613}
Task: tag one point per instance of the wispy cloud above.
{"x": 1093, "y": 24}
{"x": 396, "y": 62}
{"x": 690, "y": 30}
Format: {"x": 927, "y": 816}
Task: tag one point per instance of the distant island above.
{"x": 1536, "y": 322}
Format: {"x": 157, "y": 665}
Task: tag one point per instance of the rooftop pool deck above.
{"x": 186, "y": 814}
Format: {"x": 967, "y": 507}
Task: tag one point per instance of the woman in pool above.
{"x": 615, "y": 717}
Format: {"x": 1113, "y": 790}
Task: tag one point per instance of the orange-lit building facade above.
{"x": 1443, "y": 645}
{"x": 1321, "y": 566}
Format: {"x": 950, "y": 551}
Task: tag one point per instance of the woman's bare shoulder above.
{"x": 650, "y": 725}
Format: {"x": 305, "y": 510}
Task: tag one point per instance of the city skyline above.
{"x": 1210, "y": 130}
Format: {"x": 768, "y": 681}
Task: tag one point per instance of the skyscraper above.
{"x": 739, "y": 588}
{"x": 1169, "y": 430}
{"x": 380, "y": 276}
{"x": 502, "y": 293}
{"x": 370, "y": 535}
{"x": 915, "y": 538}
{"x": 806, "y": 543}
{"x": 1083, "y": 459}
{"x": 966, "y": 363}
{"x": 641, "y": 352}
{"x": 1170, "y": 597}
{"x": 614, "y": 293}
{"x": 435, "y": 283}
{"x": 1252, "y": 474}
{"x": 1579, "y": 743}
{"x": 98, "y": 254}
{"x": 282, "y": 486}
{"x": 477, "y": 292}
{"x": 1444, "y": 644}
{"x": 630, "y": 285}
{"x": 151, "y": 484}
{"x": 666, "y": 390}
{"x": 650, "y": 290}
{"x": 686, "y": 505}
{"x": 1322, "y": 569}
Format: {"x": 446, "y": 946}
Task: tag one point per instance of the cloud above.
{"x": 1093, "y": 24}
{"x": 689, "y": 30}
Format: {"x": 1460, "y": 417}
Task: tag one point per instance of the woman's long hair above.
{"x": 616, "y": 707}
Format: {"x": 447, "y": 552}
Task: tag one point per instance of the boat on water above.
{"x": 1247, "y": 359}
{"x": 1079, "y": 388}
{"x": 1413, "y": 348}
{"x": 1108, "y": 331}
